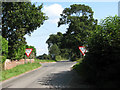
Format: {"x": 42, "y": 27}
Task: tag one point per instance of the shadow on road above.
{"x": 64, "y": 79}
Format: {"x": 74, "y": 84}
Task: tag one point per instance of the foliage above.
{"x": 81, "y": 23}
{"x": 49, "y": 57}
{"x": 65, "y": 53}
{"x": 44, "y": 57}
{"x": 4, "y": 49}
{"x": 54, "y": 50}
{"x": 101, "y": 65}
{"x": 58, "y": 58}
{"x": 30, "y": 18}
{"x": 18, "y": 53}
{"x": 33, "y": 54}
{"x": 19, "y": 70}
{"x": 58, "y": 40}
{"x": 55, "y": 39}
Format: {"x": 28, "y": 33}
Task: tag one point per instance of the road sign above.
{"x": 28, "y": 51}
{"x": 82, "y": 50}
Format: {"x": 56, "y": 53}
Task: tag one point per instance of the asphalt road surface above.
{"x": 49, "y": 75}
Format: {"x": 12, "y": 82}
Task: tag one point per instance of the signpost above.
{"x": 28, "y": 51}
{"x": 82, "y": 50}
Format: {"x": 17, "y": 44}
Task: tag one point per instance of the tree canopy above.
{"x": 80, "y": 25}
{"x": 29, "y": 16}
{"x": 54, "y": 49}
{"x": 55, "y": 39}
{"x": 19, "y": 19}
{"x": 58, "y": 39}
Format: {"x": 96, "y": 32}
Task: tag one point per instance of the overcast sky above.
{"x": 53, "y": 10}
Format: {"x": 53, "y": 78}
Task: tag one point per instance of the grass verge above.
{"x": 6, "y": 74}
{"x": 77, "y": 66}
{"x": 38, "y": 60}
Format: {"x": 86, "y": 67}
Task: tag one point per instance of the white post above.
{"x": 119, "y": 8}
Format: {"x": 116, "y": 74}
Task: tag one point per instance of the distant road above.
{"x": 50, "y": 75}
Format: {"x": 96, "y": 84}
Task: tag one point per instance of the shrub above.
{"x": 58, "y": 58}
{"x": 101, "y": 64}
{"x": 3, "y": 49}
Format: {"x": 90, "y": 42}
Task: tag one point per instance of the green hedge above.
{"x": 101, "y": 65}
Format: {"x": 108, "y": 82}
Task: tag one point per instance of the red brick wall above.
{"x": 10, "y": 64}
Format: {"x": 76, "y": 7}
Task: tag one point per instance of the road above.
{"x": 49, "y": 75}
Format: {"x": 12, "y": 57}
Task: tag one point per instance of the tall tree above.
{"x": 58, "y": 40}
{"x": 81, "y": 22}
{"x": 19, "y": 19}
{"x": 55, "y": 39}
{"x": 54, "y": 50}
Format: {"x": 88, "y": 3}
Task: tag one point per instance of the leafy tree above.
{"x": 44, "y": 56}
{"x": 102, "y": 63}
{"x": 81, "y": 23}
{"x": 54, "y": 50}
{"x": 65, "y": 53}
{"x": 19, "y": 52}
{"x": 58, "y": 40}
{"x": 3, "y": 49}
{"x": 19, "y": 19}
{"x": 55, "y": 39}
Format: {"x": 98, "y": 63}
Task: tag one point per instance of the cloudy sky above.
{"x": 53, "y": 10}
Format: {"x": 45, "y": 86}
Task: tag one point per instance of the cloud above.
{"x": 42, "y": 49}
{"x": 53, "y": 12}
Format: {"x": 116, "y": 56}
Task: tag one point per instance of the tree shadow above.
{"x": 63, "y": 80}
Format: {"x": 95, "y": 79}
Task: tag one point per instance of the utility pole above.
{"x": 119, "y": 9}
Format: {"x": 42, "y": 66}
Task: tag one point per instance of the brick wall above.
{"x": 10, "y": 64}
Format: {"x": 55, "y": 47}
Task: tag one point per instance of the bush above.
{"x": 3, "y": 49}
{"x": 3, "y": 58}
{"x": 58, "y": 58}
{"x": 101, "y": 64}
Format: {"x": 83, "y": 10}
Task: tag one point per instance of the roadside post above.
{"x": 30, "y": 59}
{"x": 28, "y": 51}
{"x": 25, "y": 58}
{"x": 81, "y": 56}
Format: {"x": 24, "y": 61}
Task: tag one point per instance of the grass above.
{"x": 47, "y": 60}
{"x": 6, "y": 74}
{"x": 59, "y": 58}
{"x": 38, "y": 60}
{"x": 77, "y": 66}
{"x": 79, "y": 60}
